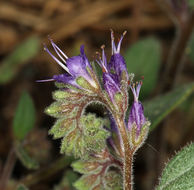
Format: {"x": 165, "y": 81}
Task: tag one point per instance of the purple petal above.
{"x": 66, "y": 79}
{"x": 110, "y": 85}
{"x": 77, "y": 65}
{"x": 83, "y": 55}
{"x": 115, "y": 78}
{"x": 117, "y": 64}
{"x": 136, "y": 116}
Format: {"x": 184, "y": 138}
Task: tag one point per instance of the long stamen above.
{"x": 58, "y": 62}
{"x": 112, "y": 42}
{"x": 104, "y": 62}
{"x": 138, "y": 88}
{"x": 99, "y": 63}
{"x": 120, "y": 41}
{"x": 56, "y": 48}
{"x": 46, "y": 80}
{"x": 132, "y": 86}
{"x": 98, "y": 60}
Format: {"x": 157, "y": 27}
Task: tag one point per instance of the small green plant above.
{"x": 105, "y": 150}
{"x": 100, "y": 145}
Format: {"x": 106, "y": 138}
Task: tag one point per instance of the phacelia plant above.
{"x": 105, "y": 149}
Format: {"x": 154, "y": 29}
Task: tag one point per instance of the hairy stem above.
{"x": 128, "y": 155}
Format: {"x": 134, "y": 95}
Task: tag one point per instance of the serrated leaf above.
{"x": 143, "y": 59}
{"x": 179, "y": 171}
{"x": 21, "y": 187}
{"x": 24, "y": 118}
{"x": 82, "y": 135}
{"x": 158, "y": 108}
{"x": 25, "y": 159}
{"x": 24, "y": 52}
{"x": 97, "y": 173}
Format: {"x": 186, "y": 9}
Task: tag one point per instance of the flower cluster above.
{"x": 77, "y": 67}
{"x": 112, "y": 71}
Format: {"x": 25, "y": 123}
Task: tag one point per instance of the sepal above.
{"x": 83, "y": 83}
{"x": 137, "y": 138}
{"x": 118, "y": 98}
{"x": 124, "y": 81}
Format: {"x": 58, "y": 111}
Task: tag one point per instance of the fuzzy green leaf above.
{"x": 24, "y": 52}
{"x": 179, "y": 172}
{"x": 158, "y": 108}
{"x": 97, "y": 173}
{"x": 143, "y": 59}
{"x": 24, "y": 118}
{"x": 25, "y": 159}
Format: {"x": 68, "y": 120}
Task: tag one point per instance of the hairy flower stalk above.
{"x": 85, "y": 136}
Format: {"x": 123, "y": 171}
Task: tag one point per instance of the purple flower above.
{"x": 136, "y": 115}
{"x": 112, "y": 72}
{"x": 75, "y": 67}
{"x": 110, "y": 81}
{"x": 117, "y": 63}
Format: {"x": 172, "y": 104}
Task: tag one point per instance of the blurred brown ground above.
{"x": 70, "y": 24}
